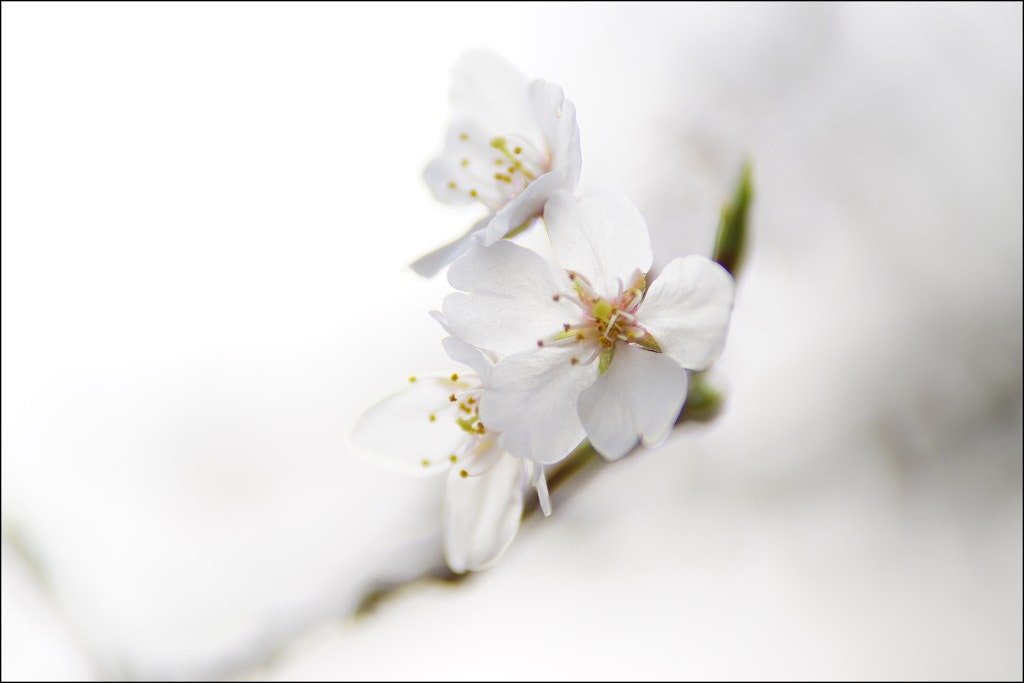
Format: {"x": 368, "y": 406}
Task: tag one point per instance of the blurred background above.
{"x": 207, "y": 214}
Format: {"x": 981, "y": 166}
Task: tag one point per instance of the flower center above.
{"x": 606, "y": 321}
{"x": 461, "y": 406}
{"x": 496, "y": 171}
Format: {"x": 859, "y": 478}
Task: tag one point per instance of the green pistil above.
{"x": 466, "y": 423}
{"x": 603, "y": 310}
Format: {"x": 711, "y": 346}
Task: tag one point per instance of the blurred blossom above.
{"x": 511, "y": 145}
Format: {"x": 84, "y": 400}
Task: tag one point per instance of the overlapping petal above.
{"x": 556, "y": 117}
{"x": 531, "y": 400}
{"x": 638, "y": 398}
{"x": 600, "y": 235}
{"x": 482, "y": 514}
{"x": 687, "y": 310}
{"x": 507, "y": 299}
{"x": 432, "y": 263}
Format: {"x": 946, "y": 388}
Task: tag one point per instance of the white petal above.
{"x": 470, "y": 356}
{"x": 556, "y": 117}
{"x": 601, "y": 235}
{"x": 517, "y": 212}
{"x": 639, "y": 396}
{"x": 540, "y": 484}
{"x": 398, "y": 433}
{"x": 508, "y": 304}
{"x": 487, "y": 89}
{"x": 531, "y": 401}
{"x": 431, "y": 264}
{"x": 442, "y": 176}
{"x": 687, "y": 310}
{"x": 482, "y": 514}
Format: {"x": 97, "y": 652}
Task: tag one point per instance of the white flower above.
{"x": 587, "y": 347}
{"x": 511, "y": 145}
{"x": 434, "y": 426}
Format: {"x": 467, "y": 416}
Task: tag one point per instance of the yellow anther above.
{"x": 425, "y": 462}
{"x": 452, "y": 398}
{"x": 412, "y": 378}
{"x": 463, "y": 136}
{"x": 433, "y": 418}
{"x": 451, "y": 185}
{"x": 455, "y": 377}
{"x": 453, "y": 458}
{"x": 463, "y": 473}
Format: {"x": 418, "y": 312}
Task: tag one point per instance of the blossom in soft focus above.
{"x": 433, "y": 426}
{"x": 587, "y": 348}
{"x": 512, "y": 143}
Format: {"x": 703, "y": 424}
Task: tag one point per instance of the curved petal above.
{"x": 398, "y": 432}
{"x": 470, "y": 356}
{"x": 517, "y": 212}
{"x": 540, "y": 484}
{"x": 556, "y": 117}
{"x": 488, "y": 89}
{"x": 601, "y": 235}
{"x": 687, "y": 310}
{"x": 639, "y": 397}
{"x": 482, "y": 514}
{"x": 508, "y": 302}
{"x": 431, "y": 264}
{"x": 531, "y": 401}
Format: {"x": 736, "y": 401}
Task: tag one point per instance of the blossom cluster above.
{"x": 585, "y": 347}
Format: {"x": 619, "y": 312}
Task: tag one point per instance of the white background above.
{"x": 207, "y": 212}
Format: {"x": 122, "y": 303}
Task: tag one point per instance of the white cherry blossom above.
{"x": 587, "y": 347}
{"x": 433, "y": 426}
{"x": 512, "y": 143}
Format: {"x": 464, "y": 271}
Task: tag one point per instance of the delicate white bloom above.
{"x": 511, "y": 145}
{"x": 434, "y": 426}
{"x": 587, "y": 348}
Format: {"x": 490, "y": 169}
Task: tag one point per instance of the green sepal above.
{"x": 731, "y": 240}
